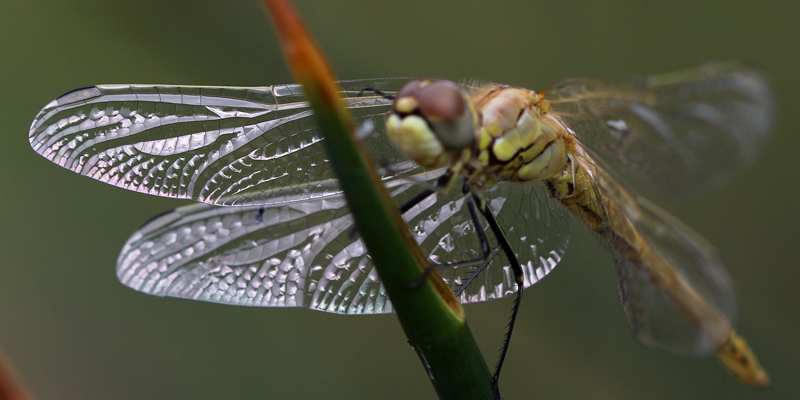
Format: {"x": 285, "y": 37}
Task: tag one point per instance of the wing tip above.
{"x": 79, "y": 94}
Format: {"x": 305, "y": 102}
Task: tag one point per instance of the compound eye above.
{"x": 445, "y": 109}
{"x": 441, "y": 100}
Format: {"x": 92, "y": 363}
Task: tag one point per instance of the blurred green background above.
{"x": 74, "y": 332}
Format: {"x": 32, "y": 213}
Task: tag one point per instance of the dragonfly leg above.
{"x": 477, "y": 272}
{"x": 518, "y": 278}
{"x": 416, "y": 200}
{"x": 376, "y": 91}
{"x": 506, "y": 342}
{"x": 503, "y": 241}
{"x": 488, "y": 255}
{"x": 482, "y": 261}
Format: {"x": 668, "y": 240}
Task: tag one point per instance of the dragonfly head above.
{"x": 432, "y": 122}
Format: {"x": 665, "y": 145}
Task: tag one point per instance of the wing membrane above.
{"x": 678, "y": 133}
{"x": 537, "y": 228}
{"x": 218, "y": 145}
{"x": 301, "y": 254}
{"x": 673, "y": 286}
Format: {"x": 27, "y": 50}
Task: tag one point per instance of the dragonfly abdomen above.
{"x": 596, "y": 200}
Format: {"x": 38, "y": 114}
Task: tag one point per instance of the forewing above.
{"x": 688, "y": 319}
{"x": 679, "y": 133}
{"x": 218, "y": 145}
{"x": 308, "y": 254}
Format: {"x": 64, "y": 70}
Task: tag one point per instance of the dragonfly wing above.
{"x": 305, "y": 254}
{"x": 294, "y": 255}
{"x": 300, "y": 254}
{"x": 218, "y": 145}
{"x": 536, "y": 227}
{"x": 674, "y": 315}
{"x": 677, "y": 134}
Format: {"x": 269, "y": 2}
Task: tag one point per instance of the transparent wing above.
{"x": 537, "y": 229}
{"x": 677, "y": 134}
{"x": 302, "y": 254}
{"x": 218, "y": 145}
{"x": 294, "y": 255}
{"x": 673, "y": 286}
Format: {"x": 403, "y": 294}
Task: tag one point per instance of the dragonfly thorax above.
{"x": 432, "y": 122}
{"x": 518, "y": 139}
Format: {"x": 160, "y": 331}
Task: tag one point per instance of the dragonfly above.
{"x": 272, "y": 228}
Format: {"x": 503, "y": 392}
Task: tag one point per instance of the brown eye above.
{"x": 441, "y": 100}
{"x": 443, "y": 107}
